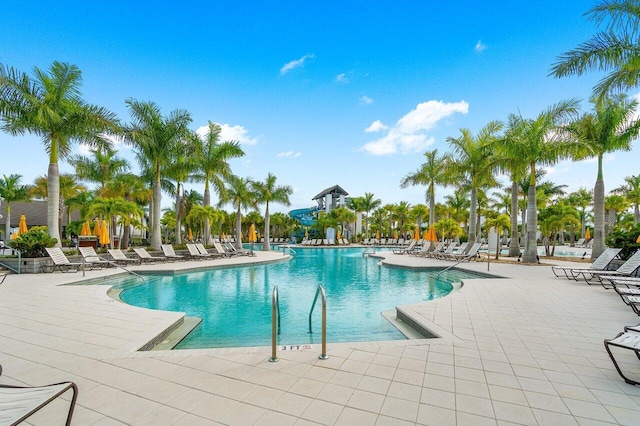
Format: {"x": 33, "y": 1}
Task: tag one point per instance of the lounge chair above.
{"x": 18, "y": 403}
{"x": 120, "y": 258}
{"x": 92, "y": 259}
{"x": 3, "y": 276}
{"x": 448, "y": 251}
{"x": 60, "y": 261}
{"x": 170, "y": 253}
{"x": 629, "y": 340}
{"x": 407, "y": 249}
{"x": 230, "y": 248}
{"x": 602, "y": 263}
{"x": 628, "y": 269}
{"x": 466, "y": 257}
{"x": 222, "y": 252}
{"x": 201, "y": 248}
{"x": 194, "y": 253}
{"x": 145, "y": 257}
{"x": 579, "y": 243}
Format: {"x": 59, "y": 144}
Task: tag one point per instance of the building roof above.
{"x": 336, "y": 189}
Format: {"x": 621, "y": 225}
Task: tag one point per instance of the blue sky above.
{"x": 347, "y": 93}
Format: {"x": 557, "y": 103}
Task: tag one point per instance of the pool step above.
{"x": 406, "y": 327}
{"x": 176, "y": 336}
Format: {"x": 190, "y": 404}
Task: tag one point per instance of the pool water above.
{"x": 235, "y": 303}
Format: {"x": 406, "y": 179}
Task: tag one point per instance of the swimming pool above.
{"x": 235, "y": 303}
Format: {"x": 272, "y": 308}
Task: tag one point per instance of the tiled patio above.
{"x": 522, "y": 350}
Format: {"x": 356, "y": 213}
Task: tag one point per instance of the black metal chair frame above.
{"x": 610, "y": 342}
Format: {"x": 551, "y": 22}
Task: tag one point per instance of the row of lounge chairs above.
{"x": 442, "y": 251}
{"x": 387, "y": 242}
{"x": 626, "y": 283}
{"x": 325, "y": 242}
{"x": 91, "y": 260}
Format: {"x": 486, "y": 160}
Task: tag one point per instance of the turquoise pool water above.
{"x": 235, "y": 303}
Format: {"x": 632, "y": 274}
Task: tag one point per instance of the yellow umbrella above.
{"x": 431, "y": 235}
{"x": 425, "y": 234}
{"x": 416, "y": 234}
{"x": 252, "y": 233}
{"x": 190, "y": 235}
{"x": 338, "y": 236}
{"x": 396, "y": 235}
{"x": 15, "y": 235}
{"x": 104, "y": 234}
{"x": 587, "y": 234}
{"x": 22, "y": 226}
{"x": 86, "y": 229}
{"x": 96, "y": 227}
{"x": 377, "y": 235}
{"x": 638, "y": 240}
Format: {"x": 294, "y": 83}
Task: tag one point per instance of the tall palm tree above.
{"x": 111, "y": 208}
{"x": 613, "y": 204}
{"x": 581, "y": 199}
{"x": 357, "y": 205}
{"x": 430, "y": 173}
{"x": 212, "y": 157}
{"x": 100, "y": 168}
{"x": 615, "y": 50}
{"x": 631, "y": 190}
{"x": 68, "y": 188}
{"x": 610, "y": 127}
{"x": 269, "y": 192}
{"x": 544, "y": 142}
{"x": 11, "y": 191}
{"x": 155, "y": 137}
{"x": 369, "y": 203}
{"x": 401, "y": 213}
{"x": 474, "y": 163}
{"x": 240, "y": 193}
{"x": 419, "y": 212}
{"x": 81, "y": 202}
{"x": 131, "y": 188}
{"x": 50, "y": 105}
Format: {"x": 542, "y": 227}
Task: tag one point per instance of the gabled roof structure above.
{"x": 334, "y": 190}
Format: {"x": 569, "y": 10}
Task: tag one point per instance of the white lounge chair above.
{"x": 92, "y": 259}
{"x": 60, "y": 261}
{"x": 170, "y": 253}
{"x": 407, "y": 249}
{"x": 194, "y": 253}
{"x": 119, "y": 257}
{"x": 628, "y": 268}
{"x": 146, "y": 257}
{"x": 600, "y": 264}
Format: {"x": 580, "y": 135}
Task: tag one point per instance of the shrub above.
{"x": 624, "y": 239}
{"x": 33, "y": 242}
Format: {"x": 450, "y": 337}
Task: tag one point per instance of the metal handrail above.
{"x": 320, "y": 291}
{"x": 17, "y": 271}
{"x": 275, "y": 323}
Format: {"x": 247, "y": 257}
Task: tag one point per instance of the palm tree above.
{"x": 240, "y": 194}
{"x": 544, "y": 142}
{"x": 50, "y": 106}
{"x": 500, "y": 222}
{"x": 474, "y": 164}
{"x": 101, "y": 168}
{"x": 10, "y": 191}
{"x": 369, "y": 203}
{"x": 133, "y": 189}
{"x": 430, "y": 173}
{"x": 610, "y": 127}
{"x": 343, "y": 215}
{"x": 357, "y": 205}
{"x": 111, "y": 208}
{"x": 401, "y": 213}
{"x": 613, "y": 205}
{"x": 631, "y": 190}
{"x": 268, "y": 192}
{"x": 581, "y": 198}
{"x": 212, "y": 157}
{"x": 614, "y": 50}
{"x": 155, "y": 137}
{"x": 418, "y": 213}
{"x": 68, "y": 188}
{"x": 81, "y": 202}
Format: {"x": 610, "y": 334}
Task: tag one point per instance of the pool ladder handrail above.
{"x": 320, "y": 291}
{"x": 275, "y": 323}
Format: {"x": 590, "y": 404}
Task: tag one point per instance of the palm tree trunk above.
{"x": 207, "y": 223}
{"x": 432, "y": 214}
{"x": 598, "y": 219}
{"x": 239, "y": 229}
{"x": 7, "y": 226}
{"x": 267, "y": 220}
{"x": 178, "y": 237}
{"x": 156, "y": 236}
{"x": 636, "y": 214}
{"x": 531, "y": 248}
{"x": 472, "y": 218}
{"x": 53, "y": 202}
{"x": 514, "y": 244}
{"x": 126, "y": 233}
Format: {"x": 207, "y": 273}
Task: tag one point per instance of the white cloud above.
{"x": 479, "y": 47}
{"x": 295, "y": 64}
{"x": 231, "y": 133}
{"x": 376, "y": 126}
{"x": 342, "y": 78}
{"x": 366, "y": 100}
{"x": 288, "y": 154}
{"x": 409, "y": 134}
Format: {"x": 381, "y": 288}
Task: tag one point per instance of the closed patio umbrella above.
{"x": 638, "y": 239}
{"x": 377, "y": 235}
{"x": 22, "y": 225}
{"x": 431, "y": 235}
{"x": 587, "y": 234}
{"x": 190, "y": 235}
{"x": 252, "y": 233}
{"x": 96, "y": 227}
{"x": 104, "y": 234}
{"x": 416, "y": 234}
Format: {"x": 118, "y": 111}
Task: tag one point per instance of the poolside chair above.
{"x": 629, "y": 340}
{"x": 407, "y": 249}
{"x": 170, "y": 253}
{"x": 466, "y": 257}
{"x": 628, "y": 268}
{"x": 444, "y": 254}
{"x": 202, "y": 249}
{"x": 18, "y": 403}
{"x": 60, "y": 261}
{"x": 120, "y": 258}
{"x": 92, "y": 260}
{"x": 3, "y": 276}
{"x": 602, "y": 263}
{"x": 579, "y": 243}
{"x": 145, "y": 257}
{"x": 194, "y": 253}
{"x": 222, "y": 252}
{"x": 230, "y": 248}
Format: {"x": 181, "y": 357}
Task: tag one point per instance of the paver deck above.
{"x": 523, "y": 350}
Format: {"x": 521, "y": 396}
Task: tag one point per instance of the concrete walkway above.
{"x": 522, "y": 350}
